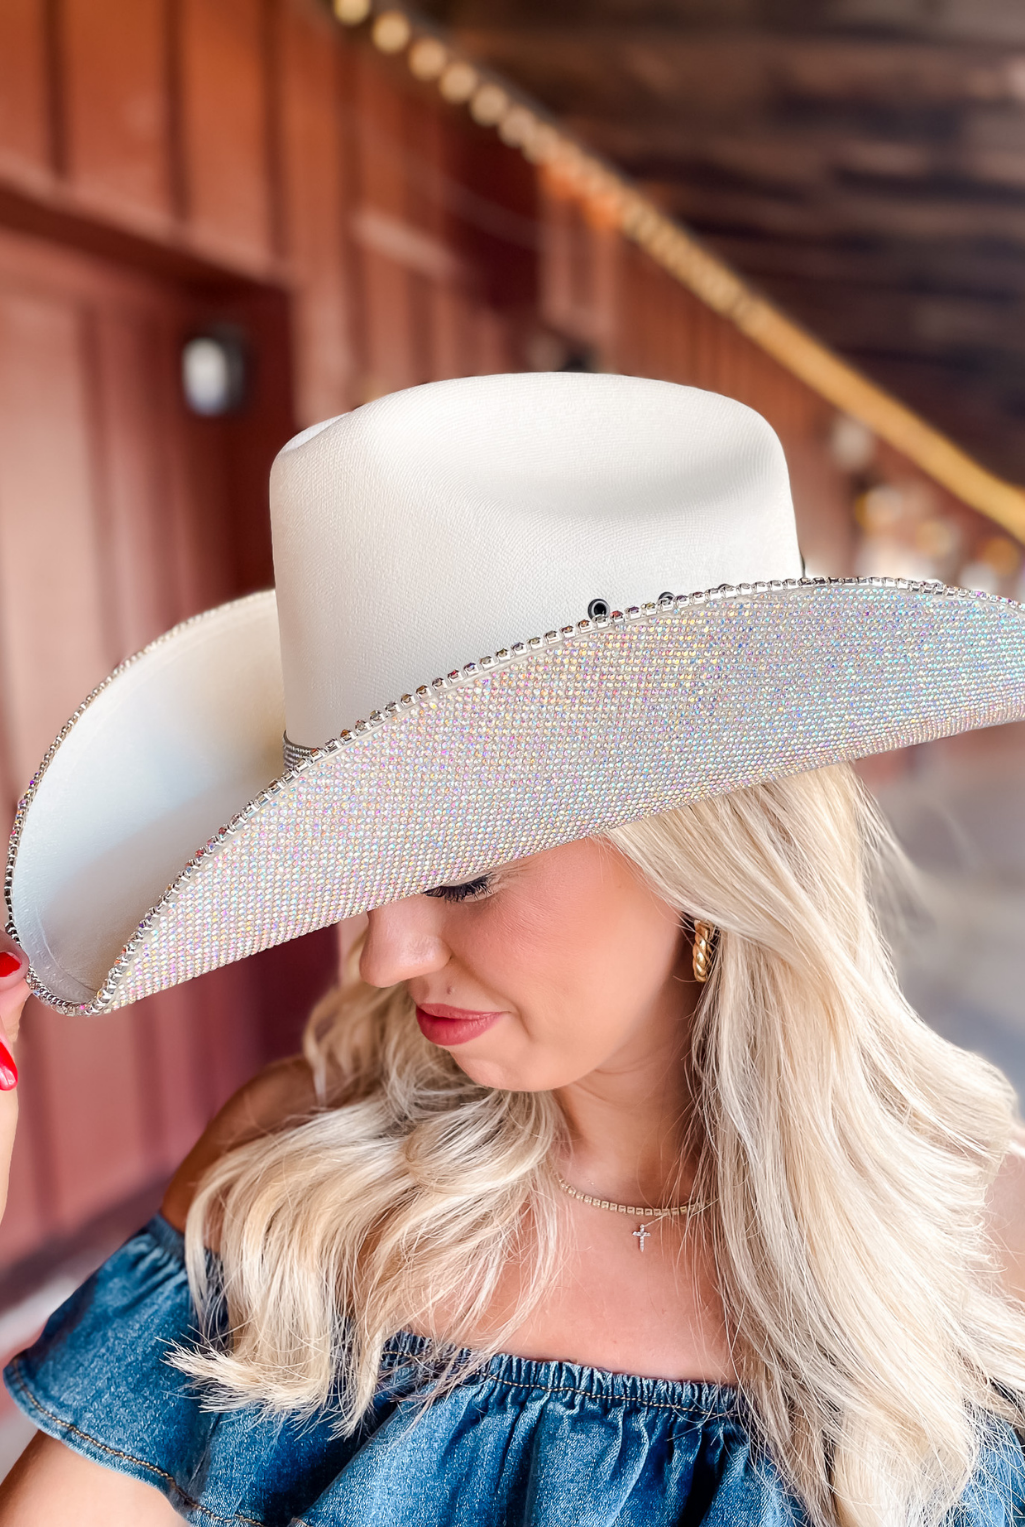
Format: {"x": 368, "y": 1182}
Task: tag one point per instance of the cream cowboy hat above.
{"x": 485, "y": 641}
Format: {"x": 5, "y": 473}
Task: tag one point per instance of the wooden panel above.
{"x": 24, "y": 97}
{"x": 29, "y": 1212}
{"x": 316, "y": 201}
{"x": 386, "y": 319}
{"x": 175, "y": 1078}
{"x": 119, "y": 513}
{"x": 135, "y": 500}
{"x": 493, "y": 347}
{"x": 117, "y": 111}
{"x": 225, "y": 126}
{"x": 100, "y": 1143}
{"x": 447, "y": 320}
{"x": 50, "y": 560}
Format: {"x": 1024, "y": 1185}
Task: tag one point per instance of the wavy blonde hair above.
{"x": 846, "y": 1151}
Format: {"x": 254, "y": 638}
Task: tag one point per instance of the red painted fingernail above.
{"x": 8, "y": 1070}
{"x": 9, "y": 963}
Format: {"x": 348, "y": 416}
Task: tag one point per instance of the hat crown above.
{"x": 436, "y": 525}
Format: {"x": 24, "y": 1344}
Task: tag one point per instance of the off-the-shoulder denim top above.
{"x": 516, "y": 1443}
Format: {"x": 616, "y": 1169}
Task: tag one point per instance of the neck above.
{"x": 629, "y": 1122}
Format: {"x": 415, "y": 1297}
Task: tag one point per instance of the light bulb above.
{"x": 391, "y": 32}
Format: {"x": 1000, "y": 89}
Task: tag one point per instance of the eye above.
{"x": 469, "y": 890}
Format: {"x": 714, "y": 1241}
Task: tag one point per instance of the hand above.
{"x": 13, "y": 996}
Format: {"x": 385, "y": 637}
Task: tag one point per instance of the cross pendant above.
{"x": 642, "y": 1232}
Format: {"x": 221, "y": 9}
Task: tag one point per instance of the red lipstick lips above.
{"x": 444, "y": 1025}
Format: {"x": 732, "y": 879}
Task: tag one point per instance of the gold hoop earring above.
{"x": 704, "y": 933}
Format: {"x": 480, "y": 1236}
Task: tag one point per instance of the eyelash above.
{"x": 469, "y": 890}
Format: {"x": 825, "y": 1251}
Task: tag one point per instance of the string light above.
{"x": 391, "y": 32}
{"x": 427, "y": 58}
{"x": 351, "y": 12}
{"x": 458, "y": 82}
{"x": 540, "y": 143}
{"x": 489, "y": 105}
{"x": 516, "y": 126}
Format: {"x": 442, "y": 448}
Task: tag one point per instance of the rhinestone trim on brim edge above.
{"x": 302, "y": 758}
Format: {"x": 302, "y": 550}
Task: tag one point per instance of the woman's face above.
{"x": 541, "y": 973}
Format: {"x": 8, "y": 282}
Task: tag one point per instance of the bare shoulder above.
{"x": 1007, "y": 1214}
{"x": 281, "y": 1092}
{"x": 53, "y": 1484}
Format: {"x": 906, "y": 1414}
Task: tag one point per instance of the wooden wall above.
{"x": 165, "y": 164}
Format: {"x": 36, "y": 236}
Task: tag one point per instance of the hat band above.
{"x": 294, "y": 753}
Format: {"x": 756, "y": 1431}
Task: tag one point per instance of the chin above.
{"x": 491, "y": 1073}
{"x": 503, "y": 1077}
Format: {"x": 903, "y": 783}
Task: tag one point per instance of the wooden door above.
{"x": 121, "y": 513}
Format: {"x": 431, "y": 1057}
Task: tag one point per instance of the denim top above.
{"x": 517, "y": 1443}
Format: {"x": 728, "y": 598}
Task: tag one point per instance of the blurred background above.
{"x": 222, "y": 220}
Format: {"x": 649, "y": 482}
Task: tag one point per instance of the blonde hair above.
{"x": 846, "y": 1151}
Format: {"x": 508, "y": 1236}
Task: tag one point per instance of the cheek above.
{"x": 579, "y": 977}
{"x": 542, "y": 953}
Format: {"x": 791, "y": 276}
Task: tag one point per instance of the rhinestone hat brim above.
{"x": 567, "y": 735}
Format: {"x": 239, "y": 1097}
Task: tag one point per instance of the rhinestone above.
{"x": 518, "y": 648}
{"x": 535, "y": 642}
{"x": 501, "y": 654}
{"x": 437, "y": 683}
{"x": 551, "y": 636}
{"x": 422, "y": 690}
{"x": 470, "y": 668}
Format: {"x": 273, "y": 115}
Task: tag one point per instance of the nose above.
{"x": 403, "y": 940}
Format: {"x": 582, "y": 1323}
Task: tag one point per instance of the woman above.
{"x": 617, "y": 1183}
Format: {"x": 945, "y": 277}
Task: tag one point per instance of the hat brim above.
{"x": 169, "y": 767}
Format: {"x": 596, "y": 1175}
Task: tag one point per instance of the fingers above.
{"x": 13, "y": 996}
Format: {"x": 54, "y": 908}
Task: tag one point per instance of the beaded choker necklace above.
{"x": 646, "y": 1215}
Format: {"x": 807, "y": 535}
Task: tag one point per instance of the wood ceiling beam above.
{"x": 722, "y": 69}
{"x": 786, "y": 156}
{"x": 927, "y": 325}
{"x": 846, "y": 214}
{"x": 957, "y": 21}
{"x": 959, "y": 268}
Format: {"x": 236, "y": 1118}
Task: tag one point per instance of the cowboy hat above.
{"x": 510, "y": 612}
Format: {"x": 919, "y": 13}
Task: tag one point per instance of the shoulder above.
{"x": 1007, "y": 1215}
{"x": 282, "y": 1092}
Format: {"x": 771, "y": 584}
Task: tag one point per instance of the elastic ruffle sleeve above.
{"x": 98, "y": 1379}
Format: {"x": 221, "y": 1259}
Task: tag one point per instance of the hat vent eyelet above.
{"x": 598, "y": 608}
